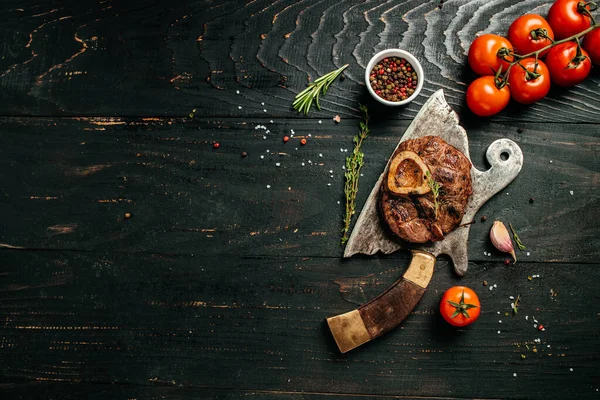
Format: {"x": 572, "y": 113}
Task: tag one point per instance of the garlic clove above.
{"x": 501, "y": 239}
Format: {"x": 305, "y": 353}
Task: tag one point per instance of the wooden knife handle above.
{"x": 387, "y": 310}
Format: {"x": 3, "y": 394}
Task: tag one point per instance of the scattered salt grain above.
{"x": 265, "y": 110}
{"x": 343, "y": 167}
{"x": 550, "y": 161}
{"x": 271, "y": 121}
{"x": 262, "y": 104}
{"x": 303, "y": 164}
{"x": 268, "y": 151}
{"x": 239, "y": 107}
{"x": 310, "y": 162}
{"x": 571, "y": 192}
{"x": 331, "y": 171}
{"x": 498, "y": 332}
{"x": 535, "y": 325}
{"x": 320, "y": 154}
{"x": 361, "y": 175}
{"x": 511, "y": 297}
{"x": 526, "y": 317}
{"x": 571, "y": 369}
{"x": 548, "y": 346}
{"x": 331, "y": 176}
{"x": 277, "y": 164}
{"x": 498, "y": 312}
{"x": 499, "y": 321}
{"x": 264, "y": 137}
{"x": 507, "y": 193}
{"x": 329, "y": 184}
{"x": 268, "y": 186}
{"x": 495, "y": 285}
{"x": 320, "y": 122}
{"x": 515, "y": 374}
{"x": 338, "y": 202}
{"x": 237, "y": 92}
{"x": 342, "y": 150}
{"x": 528, "y": 254}
{"x": 296, "y": 148}
{"x": 262, "y": 157}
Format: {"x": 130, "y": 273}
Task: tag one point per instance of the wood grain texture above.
{"x": 257, "y": 324}
{"x": 68, "y": 183}
{"x": 165, "y": 58}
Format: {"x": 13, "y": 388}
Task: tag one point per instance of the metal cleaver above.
{"x": 369, "y": 236}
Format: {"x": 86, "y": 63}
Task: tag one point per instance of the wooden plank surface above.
{"x": 218, "y": 284}
{"x": 259, "y": 324}
{"x": 165, "y": 58}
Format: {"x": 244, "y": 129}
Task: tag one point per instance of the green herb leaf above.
{"x": 304, "y": 99}
{"x": 435, "y": 190}
{"x": 520, "y": 245}
{"x": 354, "y": 163}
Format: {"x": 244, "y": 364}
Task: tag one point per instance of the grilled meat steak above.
{"x": 407, "y": 201}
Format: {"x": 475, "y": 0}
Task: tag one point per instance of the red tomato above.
{"x": 566, "y": 18}
{"x": 591, "y": 44}
{"x": 485, "y": 52}
{"x": 566, "y": 66}
{"x": 460, "y": 306}
{"x": 529, "y": 33}
{"x": 528, "y": 82}
{"x": 484, "y": 98}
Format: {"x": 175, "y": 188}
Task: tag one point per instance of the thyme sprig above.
{"x": 520, "y": 244}
{"x": 435, "y": 189}
{"x": 354, "y": 163}
{"x": 305, "y": 98}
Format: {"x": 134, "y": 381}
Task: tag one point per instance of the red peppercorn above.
{"x": 303, "y": 142}
{"x": 285, "y": 139}
{"x": 541, "y": 327}
{"x": 216, "y": 145}
{"x": 506, "y": 261}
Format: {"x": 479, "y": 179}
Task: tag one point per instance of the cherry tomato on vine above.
{"x": 485, "y": 54}
{"x": 484, "y": 98}
{"x": 591, "y": 44}
{"x": 460, "y": 306}
{"x": 529, "y": 82}
{"x": 568, "y": 17}
{"x": 529, "y": 33}
{"x": 568, "y": 64}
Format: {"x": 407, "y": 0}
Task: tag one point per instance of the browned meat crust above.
{"x": 412, "y": 217}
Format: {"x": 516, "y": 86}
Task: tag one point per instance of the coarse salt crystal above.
{"x": 342, "y": 150}
{"x": 320, "y": 154}
{"x": 528, "y": 254}
{"x": 267, "y": 131}
{"x": 338, "y": 202}
{"x": 495, "y": 285}
{"x": 498, "y": 332}
{"x": 526, "y": 317}
{"x": 331, "y": 171}
{"x": 239, "y": 107}
{"x": 303, "y": 164}
{"x": 265, "y": 110}
{"x": 571, "y": 192}
{"x": 277, "y": 164}
{"x": 268, "y": 151}
{"x": 262, "y": 104}
{"x": 491, "y": 288}
{"x": 535, "y": 325}
{"x": 331, "y": 176}
{"x": 343, "y": 167}
{"x": 271, "y": 121}
{"x": 571, "y": 369}
{"x": 507, "y": 193}
{"x": 320, "y": 122}
{"x": 498, "y": 312}
{"x": 548, "y": 346}
{"x": 262, "y": 156}
{"x": 237, "y": 92}
{"x": 329, "y": 184}
{"x": 264, "y": 137}
{"x": 310, "y": 162}
{"x": 361, "y": 175}
{"x": 511, "y": 297}
{"x": 310, "y": 135}
{"x": 515, "y": 374}
{"x": 499, "y": 321}
{"x": 512, "y": 305}
{"x": 268, "y": 186}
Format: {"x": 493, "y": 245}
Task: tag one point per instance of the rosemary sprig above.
{"x": 354, "y": 163}
{"x": 520, "y": 244}
{"x": 435, "y": 189}
{"x": 305, "y": 98}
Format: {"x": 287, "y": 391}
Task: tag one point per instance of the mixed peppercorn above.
{"x": 393, "y": 79}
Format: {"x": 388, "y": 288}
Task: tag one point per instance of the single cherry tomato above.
{"x": 529, "y": 82}
{"x": 484, "y": 98}
{"x": 529, "y": 33}
{"x": 568, "y": 17}
{"x": 486, "y": 54}
{"x": 460, "y": 306}
{"x": 568, "y": 64}
{"x": 591, "y": 44}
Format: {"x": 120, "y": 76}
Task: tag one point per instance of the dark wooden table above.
{"x": 219, "y": 283}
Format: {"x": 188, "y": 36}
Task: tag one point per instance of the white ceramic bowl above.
{"x": 401, "y": 54}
